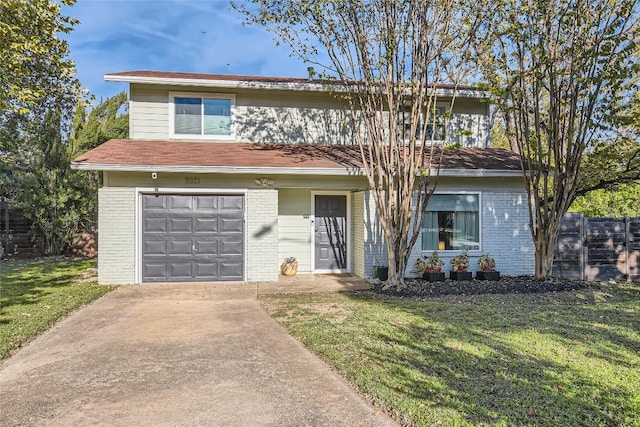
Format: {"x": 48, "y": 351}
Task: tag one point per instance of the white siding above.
{"x": 294, "y": 227}
{"x": 470, "y": 115}
{"x": 149, "y": 112}
{"x": 292, "y": 119}
{"x": 262, "y": 235}
{"x": 116, "y": 238}
{"x": 375, "y": 249}
{"x": 263, "y": 116}
{"x": 358, "y": 226}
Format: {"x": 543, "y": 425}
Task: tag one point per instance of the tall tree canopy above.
{"x": 387, "y": 57}
{"x": 34, "y": 63}
{"x": 62, "y": 202}
{"x": 618, "y": 202}
{"x": 36, "y": 76}
{"x": 561, "y": 71}
{"x": 38, "y": 85}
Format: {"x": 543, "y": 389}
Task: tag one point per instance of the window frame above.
{"x": 480, "y": 228}
{"x": 202, "y": 96}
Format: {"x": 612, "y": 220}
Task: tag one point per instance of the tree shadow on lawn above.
{"x": 512, "y": 362}
{"x": 28, "y": 282}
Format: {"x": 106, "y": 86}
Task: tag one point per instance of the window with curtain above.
{"x": 452, "y": 222}
{"x": 202, "y": 116}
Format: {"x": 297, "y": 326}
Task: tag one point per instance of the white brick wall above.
{"x": 262, "y": 235}
{"x": 505, "y": 232}
{"x": 116, "y": 235}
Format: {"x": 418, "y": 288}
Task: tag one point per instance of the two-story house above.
{"x": 225, "y": 176}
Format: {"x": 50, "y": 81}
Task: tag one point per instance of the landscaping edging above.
{"x": 505, "y": 285}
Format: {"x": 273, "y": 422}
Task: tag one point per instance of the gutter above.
{"x": 277, "y": 170}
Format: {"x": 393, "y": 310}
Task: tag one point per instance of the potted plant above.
{"x": 431, "y": 267}
{"x": 487, "y": 268}
{"x": 289, "y": 266}
{"x": 381, "y": 272}
{"x": 460, "y": 267}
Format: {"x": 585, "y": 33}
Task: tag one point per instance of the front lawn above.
{"x": 35, "y": 294}
{"x": 554, "y": 359}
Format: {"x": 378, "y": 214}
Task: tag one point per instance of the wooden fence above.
{"x": 14, "y": 234}
{"x": 598, "y": 248}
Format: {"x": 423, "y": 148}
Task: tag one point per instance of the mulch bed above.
{"x": 506, "y": 285}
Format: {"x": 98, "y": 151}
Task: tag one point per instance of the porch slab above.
{"x": 313, "y": 283}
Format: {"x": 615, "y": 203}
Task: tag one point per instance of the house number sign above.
{"x": 191, "y": 180}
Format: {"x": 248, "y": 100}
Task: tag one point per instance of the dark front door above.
{"x": 192, "y": 237}
{"x": 330, "y": 232}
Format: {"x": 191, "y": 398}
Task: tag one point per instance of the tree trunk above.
{"x": 544, "y": 256}
{"x": 545, "y": 243}
{"x": 397, "y": 263}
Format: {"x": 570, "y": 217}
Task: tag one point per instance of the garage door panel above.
{"x": 207, "y": 247}
{"x": 229, "y": 270}
{"x": 180, "y": 270}
{"x": 154, "y": 202}
{"x": 230, "y": 247}
{"x": 231, "y": 225}
{"x": 192, "y": 237}
{"x": 206, "y": 225}
{"x": 155, "y": 270}
{"x": 232, "y": 203}
{"x": 155, "y": 247}
{"x": 180, "y": 247}
{"x": 181, "y": 225}
{"x": 207, "y": 271}
{"x": 180, "y": 203}
{"x": 155, "y": 225}
{"x": 206, "y": 203}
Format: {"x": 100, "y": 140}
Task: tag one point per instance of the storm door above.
{"x": 330, "y": 227}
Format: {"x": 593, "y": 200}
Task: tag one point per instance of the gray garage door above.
{"x": 192, "y": 237}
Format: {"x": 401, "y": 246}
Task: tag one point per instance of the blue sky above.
{"x": 202, "y": 36}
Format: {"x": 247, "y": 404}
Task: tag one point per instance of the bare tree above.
{"x": 559, "y": 70}
{"x": 389, "y": 59}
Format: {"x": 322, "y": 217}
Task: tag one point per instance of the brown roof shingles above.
{"x": 123, "y": 153}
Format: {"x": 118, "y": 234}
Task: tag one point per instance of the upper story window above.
{"x": 452, "y": 222}
{"x": 435, "y": 126}
{"x": 207, "y": 116}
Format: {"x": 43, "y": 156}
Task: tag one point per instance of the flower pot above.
{"x": 460, "y": 275}
{"x": 382, "y": 273}
{"x": 433, "y": 276}
{"x": 488, "y": 275}
{"x": 289, "y": 269}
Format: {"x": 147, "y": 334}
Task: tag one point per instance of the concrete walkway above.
{"x": 188, "y": 354}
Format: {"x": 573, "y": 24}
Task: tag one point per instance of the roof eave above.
{"x": 242, "y": 84}
{"x": 354, "y": 171}
{"x": 474, "y": 173}
{"x": 217, "y": 169}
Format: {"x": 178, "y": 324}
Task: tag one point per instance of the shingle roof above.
{"x": 135, "y": 154}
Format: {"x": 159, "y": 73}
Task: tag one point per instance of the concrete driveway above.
{"x": 175, "y": 355}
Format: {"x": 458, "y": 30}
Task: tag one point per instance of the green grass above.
{"x": 35, "y": 294}
{"x": 564, "y": 359}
